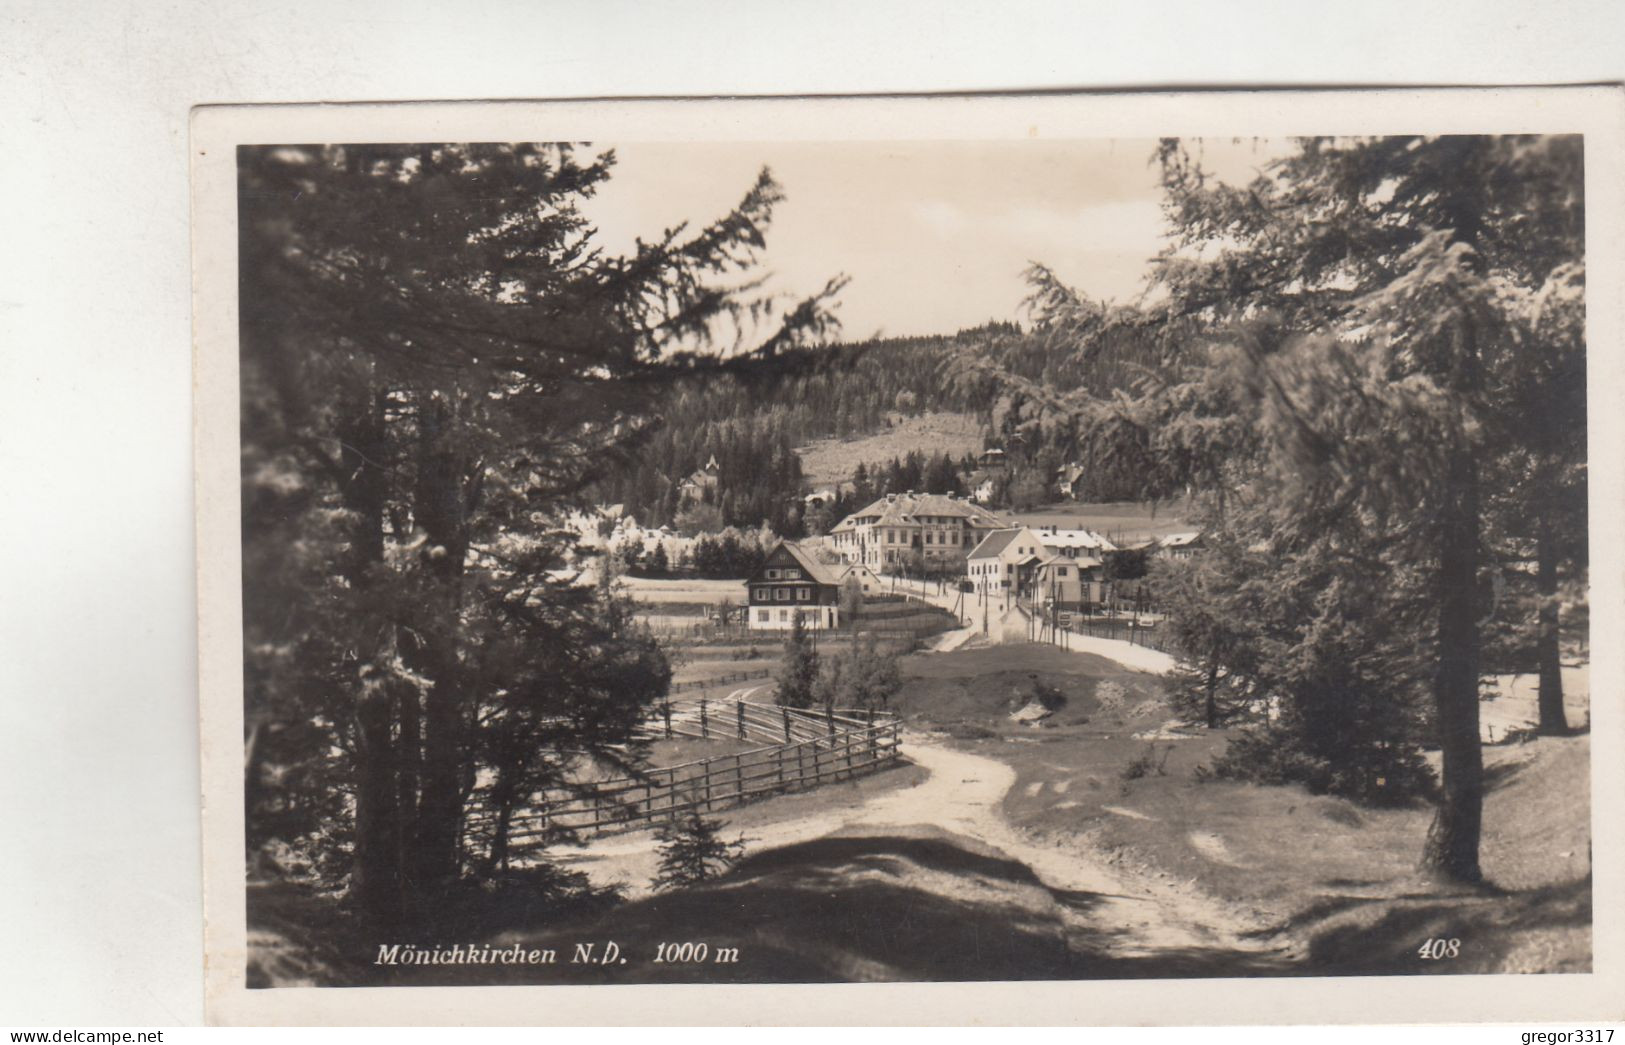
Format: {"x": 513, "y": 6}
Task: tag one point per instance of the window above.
{"x": 764, "y": 616}
{"x": 792, "y": 575}
{"x": 1060, "y": 571}
{"x": 772, "y": 575}
{"x": 760, "y": 594}
{"x": 784, "y": 615}
{"x": 930, "y": 538}
{"x": 804, "y": 594}
{"x": 781, "y": 594}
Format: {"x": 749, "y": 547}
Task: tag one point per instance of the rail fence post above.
{"x": 740, "y": 708}
{"x": 665, "y": 710}
{"x": 786, "y": 712}
{"x": 829, "y": 717}
{"x": 705, "y": 728}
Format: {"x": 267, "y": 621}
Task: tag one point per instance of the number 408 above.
{"x": 1435, "y": 949}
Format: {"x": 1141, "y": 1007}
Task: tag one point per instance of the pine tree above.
{"x": 799, "y": 671}
{"x": 436, "y": 359}
{"x": 692, "y": 851}
{"x": 1345, "y": 338}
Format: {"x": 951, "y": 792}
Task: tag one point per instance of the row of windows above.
{"x": 766, "y": 616}
{"x": 780, "y": 594}
{"x": 785, "y": 574}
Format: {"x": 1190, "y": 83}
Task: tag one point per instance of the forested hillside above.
{"x": 753, "y": 424}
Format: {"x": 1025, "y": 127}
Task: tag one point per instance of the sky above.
{"x": 934, "y": 235}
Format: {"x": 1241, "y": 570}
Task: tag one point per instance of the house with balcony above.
{"x": 1002, "y": 563}
{"x": 791, "y": 583}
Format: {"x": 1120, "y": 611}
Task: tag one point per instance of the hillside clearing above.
{"x": 826, "y": 462}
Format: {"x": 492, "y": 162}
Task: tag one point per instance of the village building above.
{"x": 822, "y": 495}
{"x": 1069, "y": 480}
{"x": 940, "y": 527}
{"x": 1074, "y": 544}
{"x": 1018, "y": 563}
{"x": 1068, "y": 583}
{"x": 700, "y": 486}
{"x": 1003, "y": 561}
{"x": 993, "y": 457}
{"x": 981, "y": 486}
{"x": 866, "y": 579}
{"x": 1179, "y": 546}
{"x": 791, "y": 583}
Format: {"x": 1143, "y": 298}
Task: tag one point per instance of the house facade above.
{"x": 866, "y": 579}
{"x": 942, "y": 528}
{"x": 1068, "y": 583}
{"x": 1179, "y": 546}
{"x": 792, "y": 583}
{"x": 701, "y": 485}
{"x": 1002, "y": 562}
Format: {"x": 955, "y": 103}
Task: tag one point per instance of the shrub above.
{"x": 1049, "y": 697}
{"x": 1375, "y": 775}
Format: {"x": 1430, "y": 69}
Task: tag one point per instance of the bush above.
{"x": 1146, "y": 762}
{"x": 1049, "y": 697}
{"x": 1374, "y": 775}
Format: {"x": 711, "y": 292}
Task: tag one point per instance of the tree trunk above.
{"x": 439, "y": 508}
{"x": 1452, "y": 843}
{"x": 1212, "y": 686}
{"x": 376, "y": 877}
{"x": 376, "y": 873}
{"x": 1553, "y": 720}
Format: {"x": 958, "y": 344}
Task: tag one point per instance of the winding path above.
{"x": 962, "y": 794}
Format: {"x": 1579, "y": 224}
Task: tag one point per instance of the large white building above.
{"x": 941, "y": 527}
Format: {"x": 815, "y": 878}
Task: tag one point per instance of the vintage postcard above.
{"x": 1023, "y": 559}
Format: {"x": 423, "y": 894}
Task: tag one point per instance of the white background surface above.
{"x": 99, "y": 913}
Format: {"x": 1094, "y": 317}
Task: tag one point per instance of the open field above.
{"x": 1117, "y": 520}
{"x": 830, "y": 461}
{"x": 687, "y": 590}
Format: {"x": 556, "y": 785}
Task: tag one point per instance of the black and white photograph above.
{"x": 905, "y": 559}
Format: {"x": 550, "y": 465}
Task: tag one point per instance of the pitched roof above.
{"x": 809, "y": 563}
{"x": 994, "y": 543}
{"x": 1059, "y": 538}
{"x": 905, "y": 509}
{"x": 1179, "y": 540}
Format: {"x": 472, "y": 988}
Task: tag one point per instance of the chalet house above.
{"x": 1003, "y": 561}
{"x": 695, "y": 488}
{"x": 981, "y": 487}
{"x": 941, "y": 527}
{"x": 993, "y": 457}
{"x": 792, "y": 583}
{"x": 823, "y": 495}
{"x": 1069, "y": 480}
{"x": 1179, "y": 546}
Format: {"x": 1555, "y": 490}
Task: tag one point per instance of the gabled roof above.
{"x": 994, "y": 543}
{"x": 804, "y": 558}
{"x": 1179, "y": 540}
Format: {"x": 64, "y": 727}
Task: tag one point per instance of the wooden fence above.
{"x": 818, "y": 748}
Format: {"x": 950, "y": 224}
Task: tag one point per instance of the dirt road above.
{"x": 1139, "y": 918}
